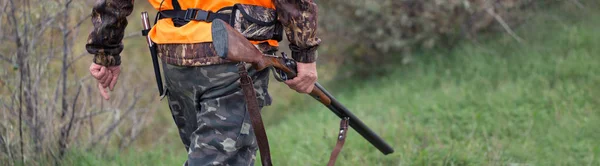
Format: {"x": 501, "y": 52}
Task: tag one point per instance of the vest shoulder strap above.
{"x": 176, "y": 5}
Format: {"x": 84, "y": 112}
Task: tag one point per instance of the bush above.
{"x": 370, "y": 29}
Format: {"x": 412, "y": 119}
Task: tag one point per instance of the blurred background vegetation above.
{"x": 446, "y": 82}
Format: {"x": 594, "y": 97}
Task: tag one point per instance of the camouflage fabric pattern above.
{"x": 208, "y": 107}
{"x": 252, "y": 30}
{"x": 299, "y": 17}
{"x": 107, "y": 60}
{"x": 109, "y": 18}
{"x": 197, "y": 54}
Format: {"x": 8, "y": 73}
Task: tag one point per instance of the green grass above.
{"x": 163, "y": 155}
{"x": 493, "y": 103}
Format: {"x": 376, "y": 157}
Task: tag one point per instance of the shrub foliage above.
{"x": 368, "y": 29}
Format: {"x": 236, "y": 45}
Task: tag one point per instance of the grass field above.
{"x": 497, "y": 102}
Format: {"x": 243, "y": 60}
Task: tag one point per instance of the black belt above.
{"x": 194, "y": 15}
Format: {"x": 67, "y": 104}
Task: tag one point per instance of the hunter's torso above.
{"x": 164, "y": 32}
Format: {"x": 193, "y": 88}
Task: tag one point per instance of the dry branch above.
{"x": 504, "y": 25}
{"x": 578, "y": 4}
{"x": 4, "y": 58}
{"x": 52, "y": 101}
{"x": 64, "y": 136}
{"x": 81, "y": 21}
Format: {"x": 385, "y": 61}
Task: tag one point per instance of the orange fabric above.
{"x": 195, "y": 31}
{"x": 271, "y": 42}
{"x": 212, "y": 5}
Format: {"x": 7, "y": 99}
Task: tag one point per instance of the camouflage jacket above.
{"x": 298, "y": 17}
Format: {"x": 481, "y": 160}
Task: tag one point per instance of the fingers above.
{"x": 105, "y": 80}
{"x": 113, "y": 82}
{"x": 106, "y": 76}
{"x": 103, "y": 92}
{"x": 116, "y": 70}
{"x": 293, "y": 83}
{"x": 96, "y": 71}
{"x": 310, "y": 88}
{"x": 302, "y": 83}
{"x": 306, "y": 86}
{"x": 307, "y": 76}
{"x": 101, "y": 73}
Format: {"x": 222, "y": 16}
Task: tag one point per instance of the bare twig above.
{"x": 68, "y": 3}
{"x": 42, "y": 29}
{"x": 13, "y": 20}
{"x": 64, "y": 140}
{"x": 114, "y": 125}
{"x": 5, "y": 148}
{"x": 37, "y": 52}
{"x": 81, "y": 21}
{"x": 504, "y": 25}
{"x": 81, "y": 55}
{"x": 21, "y": 116}
{"x": 132, "y": 34}
{"x": 12, "y": 98}
{"x": 578, "y": 4}
{"x": 91, "y": 114}
{"x": 88, "y": 90}
{"x": 9, "y": 108}
{"x": 136, "y": 128}
{"x": 80, "y": 123}
{"x": 5, "y": 58}
{"x": 1, "y": 18}
{"x": 64, "y": 62}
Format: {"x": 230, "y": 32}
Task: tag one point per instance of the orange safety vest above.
{"x": 164, "y": 32}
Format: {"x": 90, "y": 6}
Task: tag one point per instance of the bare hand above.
{"x": 106, "y": 77}
{"x": 304, "y": 82}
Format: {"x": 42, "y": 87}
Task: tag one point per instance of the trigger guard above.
{"x": 278, "y": 74}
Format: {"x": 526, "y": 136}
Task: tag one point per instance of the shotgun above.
{"x": 231, "y": 45}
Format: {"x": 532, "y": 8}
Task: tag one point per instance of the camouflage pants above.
{"x": 208, "y": 107}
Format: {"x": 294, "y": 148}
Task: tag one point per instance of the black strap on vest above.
{"x": 181, "y": 17}
{"x": 193, "y": 14}
{"x": 176, "y": 5}
{"x": 254, "y": 20}
{"x": 201, "y": 15}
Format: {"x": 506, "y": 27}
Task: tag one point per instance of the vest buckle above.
{"x": 190, "y": 14}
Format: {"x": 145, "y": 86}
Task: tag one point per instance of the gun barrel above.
{"x": 356, "y": 124}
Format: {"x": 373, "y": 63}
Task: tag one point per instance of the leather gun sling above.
{"x": 341, "y": 139}
{"x": 255, "y": 117}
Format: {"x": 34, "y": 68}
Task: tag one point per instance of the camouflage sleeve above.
{"x": 299, "y": 17}
{"x": 109, "y": 19}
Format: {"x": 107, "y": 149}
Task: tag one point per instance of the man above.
{"x": 203, "y": 90}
